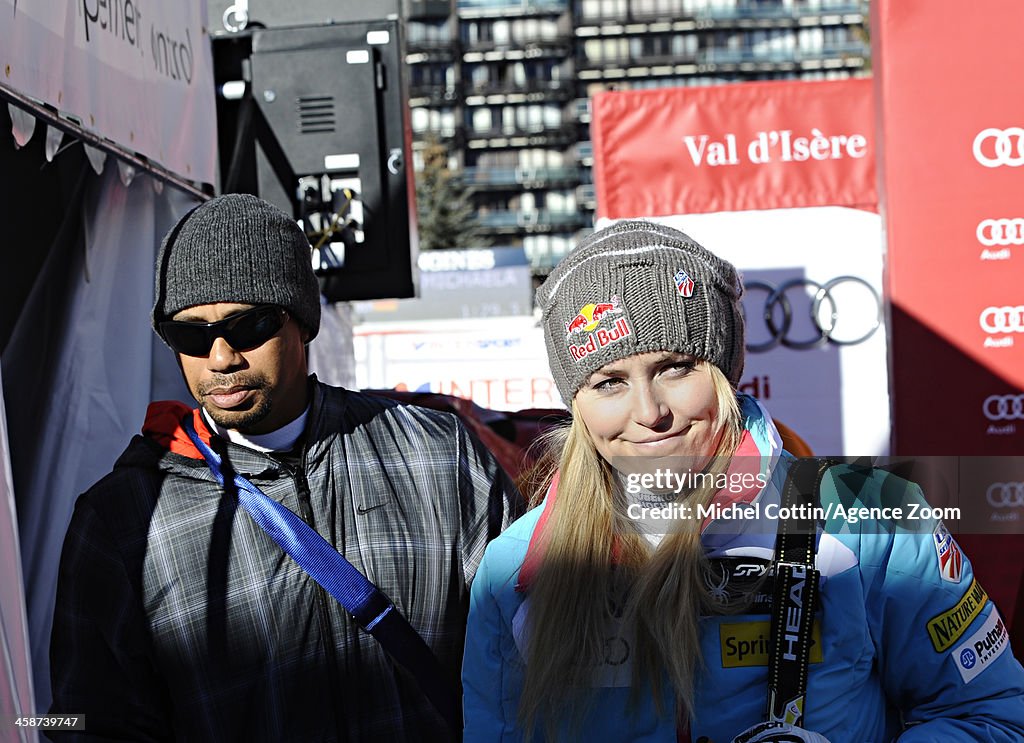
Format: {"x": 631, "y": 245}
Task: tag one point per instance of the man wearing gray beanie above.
{"x": 188, "y": 606}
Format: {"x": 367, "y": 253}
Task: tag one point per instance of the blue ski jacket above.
{"x": 907, "y": 644}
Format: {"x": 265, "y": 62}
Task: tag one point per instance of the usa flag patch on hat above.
{"x": 684, "y": 284}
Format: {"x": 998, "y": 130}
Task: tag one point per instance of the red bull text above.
{"x": 599, "y": 339}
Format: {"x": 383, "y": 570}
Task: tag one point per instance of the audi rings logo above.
{"x": 992, "y": 232}
{"x": 1005, "y": 494}
{"x": 1002, "y": 319}
{"x": 1004, "y": 407}
{"x": 801, "y": 313}
{"x": 996, "y": 147}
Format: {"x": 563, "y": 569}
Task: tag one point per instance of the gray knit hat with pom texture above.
{"x": 237, "y": 248}
{"x": 636, "y": 287}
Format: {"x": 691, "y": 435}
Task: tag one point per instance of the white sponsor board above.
{"x": 498, "y": 363}
{"x": 136, "y": 72}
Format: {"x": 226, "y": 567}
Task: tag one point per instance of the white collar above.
{"x": 283, "y": 439}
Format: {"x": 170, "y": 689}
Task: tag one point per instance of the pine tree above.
{"x": 444, "y": 205}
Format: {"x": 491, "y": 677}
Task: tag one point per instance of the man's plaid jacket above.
{"x": 178, "y": 618}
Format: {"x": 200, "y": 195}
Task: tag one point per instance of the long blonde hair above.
{"x": 587, "y": 556}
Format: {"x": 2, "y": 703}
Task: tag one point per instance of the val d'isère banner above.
{"x": 770, "y": 145}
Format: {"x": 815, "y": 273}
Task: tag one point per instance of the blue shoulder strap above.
{"x": 366, "y": 604}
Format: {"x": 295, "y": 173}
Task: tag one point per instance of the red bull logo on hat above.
{"x": 589, "y": 316}
{"x": 587, "y": 321}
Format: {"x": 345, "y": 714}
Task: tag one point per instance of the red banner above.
{"x": 764, "y": 145}
{"x": 953, "y": 174}
{"x": 952, "y": 143}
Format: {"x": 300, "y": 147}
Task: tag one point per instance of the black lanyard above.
{"x": 795, "y": 596}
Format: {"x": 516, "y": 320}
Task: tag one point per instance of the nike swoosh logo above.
{"x": 362, "y": 509}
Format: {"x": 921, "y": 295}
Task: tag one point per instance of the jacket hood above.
{"x": 163, "y": 444}
{"x": 165, "y": 426}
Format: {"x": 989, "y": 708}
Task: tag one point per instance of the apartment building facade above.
{"x": 506, "y": 84}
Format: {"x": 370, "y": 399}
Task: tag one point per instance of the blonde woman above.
{"x": 592, "y": 621}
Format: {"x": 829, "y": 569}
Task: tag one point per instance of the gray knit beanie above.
{"x": 237, "y": 248}
{"x": 636, "y": 287}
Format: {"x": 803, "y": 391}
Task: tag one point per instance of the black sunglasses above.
{"x": 243, "y": 331}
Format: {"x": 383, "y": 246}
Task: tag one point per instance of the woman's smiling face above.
{"x": 651, "y": 406}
